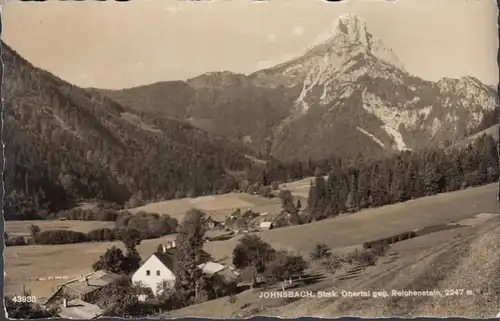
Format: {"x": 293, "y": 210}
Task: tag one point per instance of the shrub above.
{"x": 380, "y": 249}
{"x": 363, "y": 257}
{"x": 112, "y": 260}
{"x": 102, "y": 234}
{"x": 284, "y": 266}
{"x": 16, "y": 241}
{"x": 60, "y": 237}
{"x": 332, "y": 263}
{"x": 321, "y": 251}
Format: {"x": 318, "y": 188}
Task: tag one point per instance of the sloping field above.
{"x": 23, "y": 262}
{"x": 299, "y": 188}
{"x": 376, "y": 223}
{"x": 23, "y": 227}
{"x": 465, "y": 258}
{"x": 218, "y": 206}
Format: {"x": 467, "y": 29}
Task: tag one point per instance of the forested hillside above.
{"x": 402, "y": 177}
{"x": 65, "y": 144}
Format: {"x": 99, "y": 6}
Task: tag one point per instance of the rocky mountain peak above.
{"x": 345, "y": 32}
{"x": 345, "y": 51}
{"x": 347, "y": 37}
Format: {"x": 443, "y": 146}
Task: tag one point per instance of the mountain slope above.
{"x": 65, "y": 144}
{"x": 347, "y": 94}
{"x": 223, "y": 103}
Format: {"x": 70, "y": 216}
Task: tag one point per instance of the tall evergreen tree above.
{"x": 189, "y": 255}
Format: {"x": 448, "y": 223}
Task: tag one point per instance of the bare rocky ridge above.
{"x": 347, "y": 94}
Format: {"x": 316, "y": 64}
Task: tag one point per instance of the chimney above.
{"x": 65, "y": 303}
{"x": 169, "y": 245}
{"x": 164, "y": 248}
{"x": 87, "y": 280}
{"x": 172, "y": 244}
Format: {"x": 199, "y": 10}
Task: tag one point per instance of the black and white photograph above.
{"x": 231, "y": 159}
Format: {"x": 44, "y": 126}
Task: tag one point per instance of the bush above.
{"x": 102, "y": 234}
{"x": 380, "y": 249}
{"x": 112, "y": 260}
{"x": 332, "y": 263}
{"x": 16, "y": 241}
{"x": 106, "y": 215}
{"x": 284, "y": 266}
{"x": 321, "y": 251}
{"x": 363, "y": 257}
{"x": 60, "y": 237}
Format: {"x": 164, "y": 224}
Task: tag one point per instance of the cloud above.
{"x": 271, "y": 37}
{"x": 173, "y": 9}
{"x": 298, "y": 31}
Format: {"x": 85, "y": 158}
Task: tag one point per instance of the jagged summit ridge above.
{"x": 347, "y": 29}
{"x": 348, "y": 36}
{"x": 345, "y": 51}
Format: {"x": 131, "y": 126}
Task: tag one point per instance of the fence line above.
{"x": 56, "y": 277}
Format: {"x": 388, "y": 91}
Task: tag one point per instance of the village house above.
{"x": 211, "y": 224}
{"x": 78, "y": 309}
{"x": 224, "y": 275}
{"x": 263, "y": 226}
{"x": 86, "y": 288}
{"x": 159, "y": 269}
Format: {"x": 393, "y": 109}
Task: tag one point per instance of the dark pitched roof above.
{"x": 210, "y": 219}
{"x": 92, "y": 281}
{"x": 78, "y": 309}
{"x": 167, "y": 258}
{"x": 227, "y": 275}
{"x": 87, "y": 283}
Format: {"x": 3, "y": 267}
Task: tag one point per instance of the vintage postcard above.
{"x": 246, "y": 158}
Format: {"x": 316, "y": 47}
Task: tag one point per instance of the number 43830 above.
{"x": 28, "y": 299}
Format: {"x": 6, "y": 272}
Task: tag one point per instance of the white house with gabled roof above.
{"x": 158, "y": 268}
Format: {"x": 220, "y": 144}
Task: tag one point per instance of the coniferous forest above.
{"x": 409, "y": 175}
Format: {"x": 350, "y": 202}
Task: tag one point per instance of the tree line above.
{"x": 402, "y": 177}
{"x": 143, "y": 225}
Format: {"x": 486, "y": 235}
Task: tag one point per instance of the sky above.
{"x": 108, "y": 44}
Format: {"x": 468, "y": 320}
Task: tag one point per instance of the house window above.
{"x": 158, "y": 272}
{"x": 148, "y": 272}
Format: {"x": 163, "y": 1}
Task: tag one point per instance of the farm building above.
{"x": 266, "y": 226}
{"x": 210, "y": 223}
{"x": 86, "y": 288}
{"x": 78, "y": 309}
{"x": 223, "y": 274}
{"x": 159, "y": 268}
